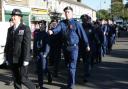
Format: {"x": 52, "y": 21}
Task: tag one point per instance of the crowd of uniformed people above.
{"x": 73, "y": 41}
{"x": 100, "y": 36}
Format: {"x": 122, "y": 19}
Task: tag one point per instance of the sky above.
{"x": 99, "y": 4}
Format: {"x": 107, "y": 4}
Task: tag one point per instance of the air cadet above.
{"x": 92, "y": 36}
{"x": 42, "y": 47}
{"x": 111, "y": 36}
{"x": 55, "y": 48}
{"x": 72, "y": 33}
{"x": 105, "y": 29}
{"x": 100, "y": 35}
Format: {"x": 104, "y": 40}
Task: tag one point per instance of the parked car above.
{"x": 3, "y": 34}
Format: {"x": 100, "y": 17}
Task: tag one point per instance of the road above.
{"x": 112, "y": 73}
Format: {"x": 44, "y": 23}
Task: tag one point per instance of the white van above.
{"x": 3, "y": 34}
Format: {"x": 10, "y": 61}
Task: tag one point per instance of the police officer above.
{"x": 42, "y": 50}
{"x": 17, "y": 50}
{"x": 72, "y": 32}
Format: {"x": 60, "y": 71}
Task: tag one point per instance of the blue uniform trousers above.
{"x": 71, "y": 55}
{"x": 105, "y": 45}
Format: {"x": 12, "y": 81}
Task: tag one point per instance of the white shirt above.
{"x": 16, "y": 25}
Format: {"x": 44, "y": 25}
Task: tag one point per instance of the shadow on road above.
{"x": 5, "y": 77}
{"x": 109, "y": 75}
{"x": 121, "y": 53}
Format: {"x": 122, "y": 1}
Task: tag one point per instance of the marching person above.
{"x": 55, "y": 48}
{"x": 17, "y": 50}
{"x": 88, "y": 57}
{"x": 72, "y": 33}
{"x": 42, "y": 48}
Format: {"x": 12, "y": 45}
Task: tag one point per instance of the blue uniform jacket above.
{"x": 75, "y": 33}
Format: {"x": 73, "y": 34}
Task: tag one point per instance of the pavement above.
{"x": 112, "y": 73}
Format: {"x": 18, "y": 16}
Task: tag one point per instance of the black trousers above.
{"x": 20, "y": 77}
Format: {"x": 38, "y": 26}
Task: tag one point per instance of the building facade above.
{"x": 35, "y": 10}
{"x": 39, "y": 10}
{"x": 9, "y": 5}
{"x": 78, "y": 8}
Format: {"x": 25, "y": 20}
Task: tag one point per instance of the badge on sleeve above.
{"x": 21, "y": 32}
{"x": 72, "y": 27}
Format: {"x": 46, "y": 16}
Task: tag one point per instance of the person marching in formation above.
{"x": 72, "y": 32}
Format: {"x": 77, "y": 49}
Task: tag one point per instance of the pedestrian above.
{"x": 17, "y": 49}
{"x": 72, "y": 33}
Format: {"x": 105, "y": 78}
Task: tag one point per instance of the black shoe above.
{"x": 85, "y": 80}
{"x": 56, "y": 75}
{"x": 69, "y": 87}
{"x": 43, "y": 88}
{"x": 49, "y": 78}
{"x": 9, "y": 83}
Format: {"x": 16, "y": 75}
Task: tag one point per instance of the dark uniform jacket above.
{"x": 18, "y": 44}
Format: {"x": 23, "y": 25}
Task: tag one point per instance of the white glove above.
{"x": 50, "y": 32}
{"x": 88, "y": 48}
{"x": 44, "y": 56}
{"x": 25, "y": 63}
{"x": 7, "y": 62}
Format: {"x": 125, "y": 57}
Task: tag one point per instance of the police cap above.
{"x": 16, "y": 12}
{"x": 68, "y": 8}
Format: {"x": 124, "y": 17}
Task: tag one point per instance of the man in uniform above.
{"x": 55, "y": 48}
{"x": 41, "y": 42}
{"x": 88, "y": 57}
{"x": 72, "y": 32}
{"x": 17, "y": 50}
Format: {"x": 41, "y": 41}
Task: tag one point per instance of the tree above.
{"x": 103, "y": 14}
{"x": 126, "y": 11}
{"x": 117, "y": 9}
{"x": 126, "y": 5}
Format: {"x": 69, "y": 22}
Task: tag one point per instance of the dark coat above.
{"x": 18, "y": 44}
